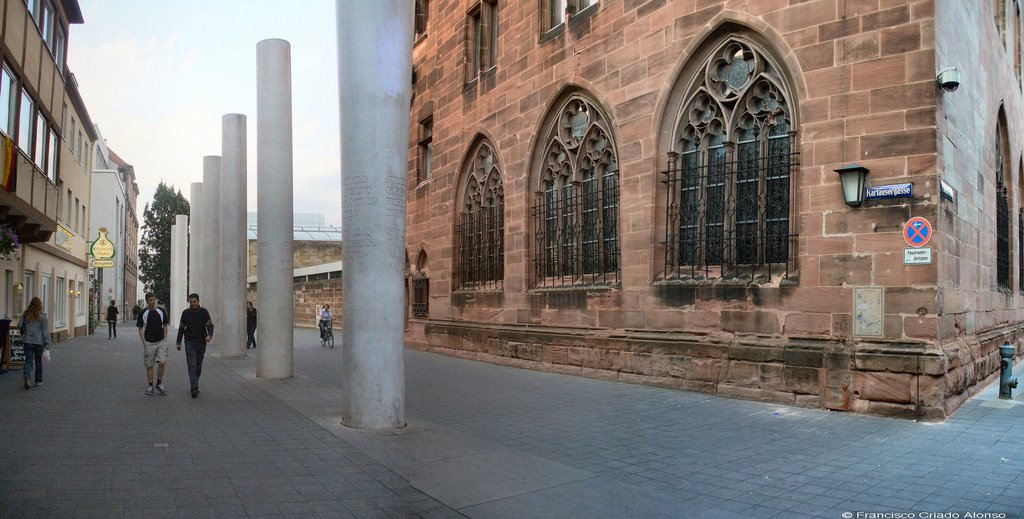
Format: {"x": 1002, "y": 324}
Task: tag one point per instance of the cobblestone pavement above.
{"x": 483, "y": 441}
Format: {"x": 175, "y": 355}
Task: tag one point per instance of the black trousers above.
{"x": 194, "y": 353}
{"x": 111, "y": 329}
{"x": 252, "y": 338}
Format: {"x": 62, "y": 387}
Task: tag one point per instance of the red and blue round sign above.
{"x": 917, "y": 232}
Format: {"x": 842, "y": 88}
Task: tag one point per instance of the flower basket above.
{"x": 8, "y": 242}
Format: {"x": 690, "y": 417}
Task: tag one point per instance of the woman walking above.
{"x": 35, "y": 338}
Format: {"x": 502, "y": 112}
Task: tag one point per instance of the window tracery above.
{"x": 481, "y": 228}
{"x": 728, "y": 176}
{"x": 576, "y": 207}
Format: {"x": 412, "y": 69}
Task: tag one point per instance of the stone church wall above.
{"x": 861, "y": 81}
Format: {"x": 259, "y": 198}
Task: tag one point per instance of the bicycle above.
{"x": 328, "y": 336}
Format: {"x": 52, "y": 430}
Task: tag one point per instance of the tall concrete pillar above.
{"x": 195, "y": 237}
{"x": 210, "y": 296}
{"x": 274, "y": 286}
{"x": 232, "y": 234}
{"x": 375, "y": 89}
{"x": 179, "y": 267}
{"x": 175, "y": 249}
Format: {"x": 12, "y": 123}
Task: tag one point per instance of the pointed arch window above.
{"x": 576, "y": 208}
{"x": 421, "y": 287}
{"x": 1020, "y": 226}
{"x": 728, "y": 180}
{"x": 1002, "y": 206}
{"x": 481, "y": 225}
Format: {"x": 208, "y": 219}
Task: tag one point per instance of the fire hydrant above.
{"x": 1006, "y": 379}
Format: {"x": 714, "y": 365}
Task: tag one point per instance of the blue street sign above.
{"x": 891, "y": 191}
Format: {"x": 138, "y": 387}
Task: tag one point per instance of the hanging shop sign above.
{"x": 102, "y": 247}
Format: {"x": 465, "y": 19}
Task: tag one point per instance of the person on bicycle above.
{"x": 325, "y": 320}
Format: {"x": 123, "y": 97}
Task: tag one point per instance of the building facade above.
{"x": 316, "y": 260}
{"x": 133, "y": 290}
{"x": 62, "y": 267}
{"x": 646, "y": 191}
{"x": 43, "y": 164}
{"x": 109, "y": 215}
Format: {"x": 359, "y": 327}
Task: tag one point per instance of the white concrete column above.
{"x": 210, "y": 297}
{"x": 175, "y": 249}
{"x": 375, "y": 89}
{"x": 195, "y": 238}
{"x": 179, "y": 268}
{"x": 274, "y": 285}
{"x": 232, "y": 235}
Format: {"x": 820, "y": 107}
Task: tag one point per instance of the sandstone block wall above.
{"x": 305, "y": 254}
{"x": 861, "y": 76}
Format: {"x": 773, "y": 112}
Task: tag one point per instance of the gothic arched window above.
{"x": 576, "y": 209}
{"x": 1020, "y": 226}
{"x": 728, "y": 177}
{"x": 480, "y": 232}
{"x": 1002, "y": 162}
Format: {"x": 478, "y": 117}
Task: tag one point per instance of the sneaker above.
{"x": 149, "y": 390}
{"x": 160, "y": 388}
{"x": 195, "y": 393}
{"x": 39, "y": 383}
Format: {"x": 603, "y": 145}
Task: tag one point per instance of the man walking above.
{"x": 250, "y": 325}
{"x": 112, "y": 320}
{"x": 196, "y": 328}
{"x": 152, "y": 324}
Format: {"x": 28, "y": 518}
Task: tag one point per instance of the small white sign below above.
{"x": 922, "y": 256}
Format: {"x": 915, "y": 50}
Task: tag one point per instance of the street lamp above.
{"x": 852, "y": 177}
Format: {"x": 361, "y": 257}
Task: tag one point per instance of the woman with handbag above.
{"x": 35, "y": 335}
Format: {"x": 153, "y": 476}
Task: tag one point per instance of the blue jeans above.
{"x": 194, "y": 353}
{"x": 33, "y": 353}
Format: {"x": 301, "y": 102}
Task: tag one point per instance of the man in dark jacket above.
{"x": 250, "y": 324}
{"x": 112, "y": 320}
{"x": 196, "y": 327}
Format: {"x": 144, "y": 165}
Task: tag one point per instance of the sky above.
{"x": 157, "y": 76}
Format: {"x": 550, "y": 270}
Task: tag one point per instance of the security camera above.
{"x": 948, "y": 79}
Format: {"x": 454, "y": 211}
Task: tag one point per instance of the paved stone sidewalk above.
{"x": 492, "y": 441}
{"x": 483, "y": 441}
{"x": 90, "y": 443}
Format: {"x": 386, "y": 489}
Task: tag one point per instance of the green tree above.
{"x": 155, "y": 247}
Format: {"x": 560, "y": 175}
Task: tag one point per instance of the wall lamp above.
{"x": 19, "y": 286}
{"x": 852, "y": 177}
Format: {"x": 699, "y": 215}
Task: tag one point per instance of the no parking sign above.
{"x": 917, "y": 232}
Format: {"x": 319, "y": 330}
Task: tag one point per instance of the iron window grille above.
{"x": 1002, "y": 237}
{"x": 728, "y": 179}
{"x": 575, "y": 212}
{"x": 1020, "y": 250}
{"x": 480, "y": 232}
{"x": 420, "y": 296}
{"x": 728, "y": 216}
{"x": 1002, "y": 209}
{"x": 481, "y": 254}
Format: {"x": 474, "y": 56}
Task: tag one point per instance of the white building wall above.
{"x": 108, "y": 202}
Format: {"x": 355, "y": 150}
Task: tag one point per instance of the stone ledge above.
{"x": 904, "y": 379}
